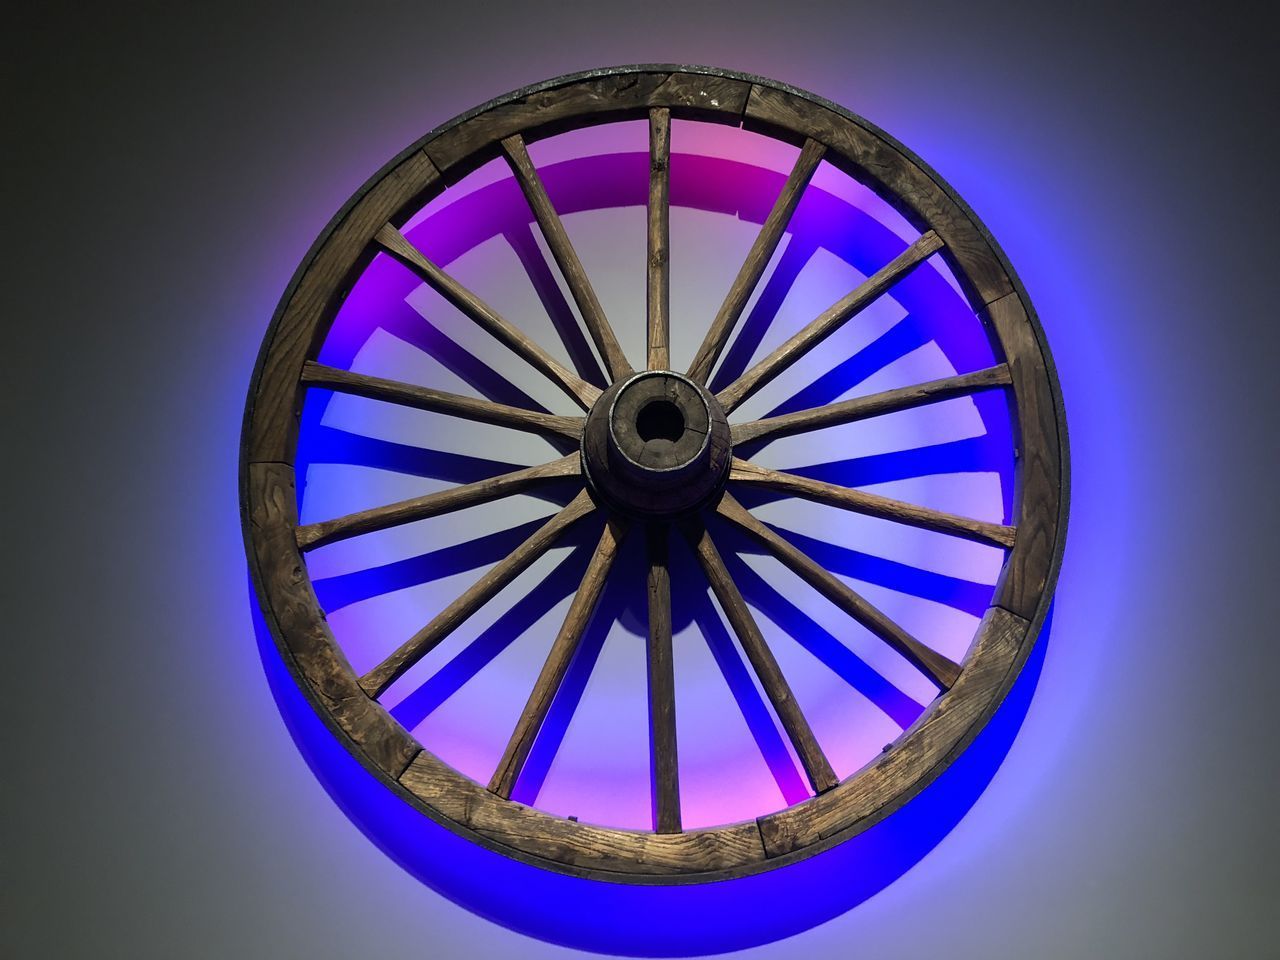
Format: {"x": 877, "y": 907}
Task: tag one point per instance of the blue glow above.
{"x": 609, "y": 918}
{"x": 617, "y": 918}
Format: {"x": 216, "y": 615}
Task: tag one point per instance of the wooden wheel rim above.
{"x": 268, "y": 502}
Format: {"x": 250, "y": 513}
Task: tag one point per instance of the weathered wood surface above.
{"x": 658, "y": 273}
{"x": 437, "y": 401}
{"x": 1003, "y": 640}
{"x": 872, "y": 405}
{"x": 557, "y": 663}
{"x": 662, "y": 685}
{"x": 902, "y": 182}
{"x": 828, "y": 322}
{"x": 320, "y": 534}
{"x": 919, "y": 756}
{"x": 583, "y": 846}
{"x": 584, "y": 102}
{"x": 872, "y": 505}
{"x": 272, "y": 423}
{"x": 376, "y": 681}
{"x": 566, "y": 257}
{"x": 816, "y": 766}
{"x": 295, "y": 614}
{"x": 655, "y": 479}
{"x": 1037, "y": 494}
{"x": 758, "y": 257}
{"x": 394, "y": 242}
{"x": 938, "y": 668}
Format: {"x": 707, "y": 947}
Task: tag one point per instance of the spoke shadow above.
{"x": 798, "y": 252}
{"x": 498, "y": 636}
{"x": 909, "y": 333}
{"x": 970, "y": 455}
{"x": 522, "y": 241}
{"x": 964, "y": 595}
{"x": 336, "y": 446}
{"x": 319, "y": 443}
{"x": 825, "y": 222}
{"x": 486, "y": 381}
{"x": 832, "y": 653}
{"x": 689, "y": 590}
{"x": 342, "y": 590}
{"x": 407, "y": 324}
{"x": 623, "y": 577}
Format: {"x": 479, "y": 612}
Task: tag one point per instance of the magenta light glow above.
{"x": 591, "y": 759}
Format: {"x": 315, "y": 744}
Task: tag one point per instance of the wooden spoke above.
{"x": 584, "y": 295}
{"x": 315, "y": 535}
{"x": 376, "y": 681}
{"x": 814, "y": 761}
{"x": 274, "y": 439}
{"x": 394, "y": 242}
{"x": 662, "y": 685}
{"x": 828, "y": 322}
{"x": 437, "y": 401}
{"x": 659, "y": 273}
{"x": 937, "y": 667}
{"x": 757, "y": 259}
{"x": 872, "y": 405}
{"x": 557, "y": 664}
{"x": 873, "y": 505}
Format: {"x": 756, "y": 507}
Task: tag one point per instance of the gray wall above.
{"x": 166, "y": 168}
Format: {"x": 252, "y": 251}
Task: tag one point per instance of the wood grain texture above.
{"x": 600, "y": 851}
{"x": 758, "y": 257}
{"x": 557, "y": 663}
{"x": 829, "y": 321}
{"x": 302, "y": 321}
{"x": 922, "y": 753}
{"x": 648, "y": 480}
{"x": 662, "y": 685}
{"x": 935, "y": 666}
{"x": 1038, "y": 490}
{"x": 816, "y": 766}
{"x": 872, "y": 505}
{"x": 394, "y": 242}
{"x": 582, "y": 103}
{"x": 1003, "y": 640}
{"x": 376, "y": 681}
{"x": 294, "y": 613}
{"x": 314, "y": 535}
{"x": 872, "y": 405}
{"x": 437, "y": 401}
{"x": 867, "y": 155}
{"x": 566, "y": 258}
{"x": 658, "y": 272}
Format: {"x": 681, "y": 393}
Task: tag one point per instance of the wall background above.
{"x": 167, "y": 166}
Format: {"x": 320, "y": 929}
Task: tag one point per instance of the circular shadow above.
{"x": 652, "y": 920}
{"x": 648, "y": 921}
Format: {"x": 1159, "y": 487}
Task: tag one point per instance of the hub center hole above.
{"x": 660, "y": 420}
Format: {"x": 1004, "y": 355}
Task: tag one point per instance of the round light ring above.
{"x": 368, "y": 224}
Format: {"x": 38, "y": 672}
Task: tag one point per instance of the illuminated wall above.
{"x": 592, "y": 757}
{"x": 168, "y": 169}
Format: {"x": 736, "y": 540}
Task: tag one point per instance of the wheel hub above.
{"x": 656, "y": 445}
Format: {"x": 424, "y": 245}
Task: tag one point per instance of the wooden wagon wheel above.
{"x": 656, "y": 457}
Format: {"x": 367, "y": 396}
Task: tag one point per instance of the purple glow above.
{"x": 616, "y": 918}
{"x": 591, "y": 757}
